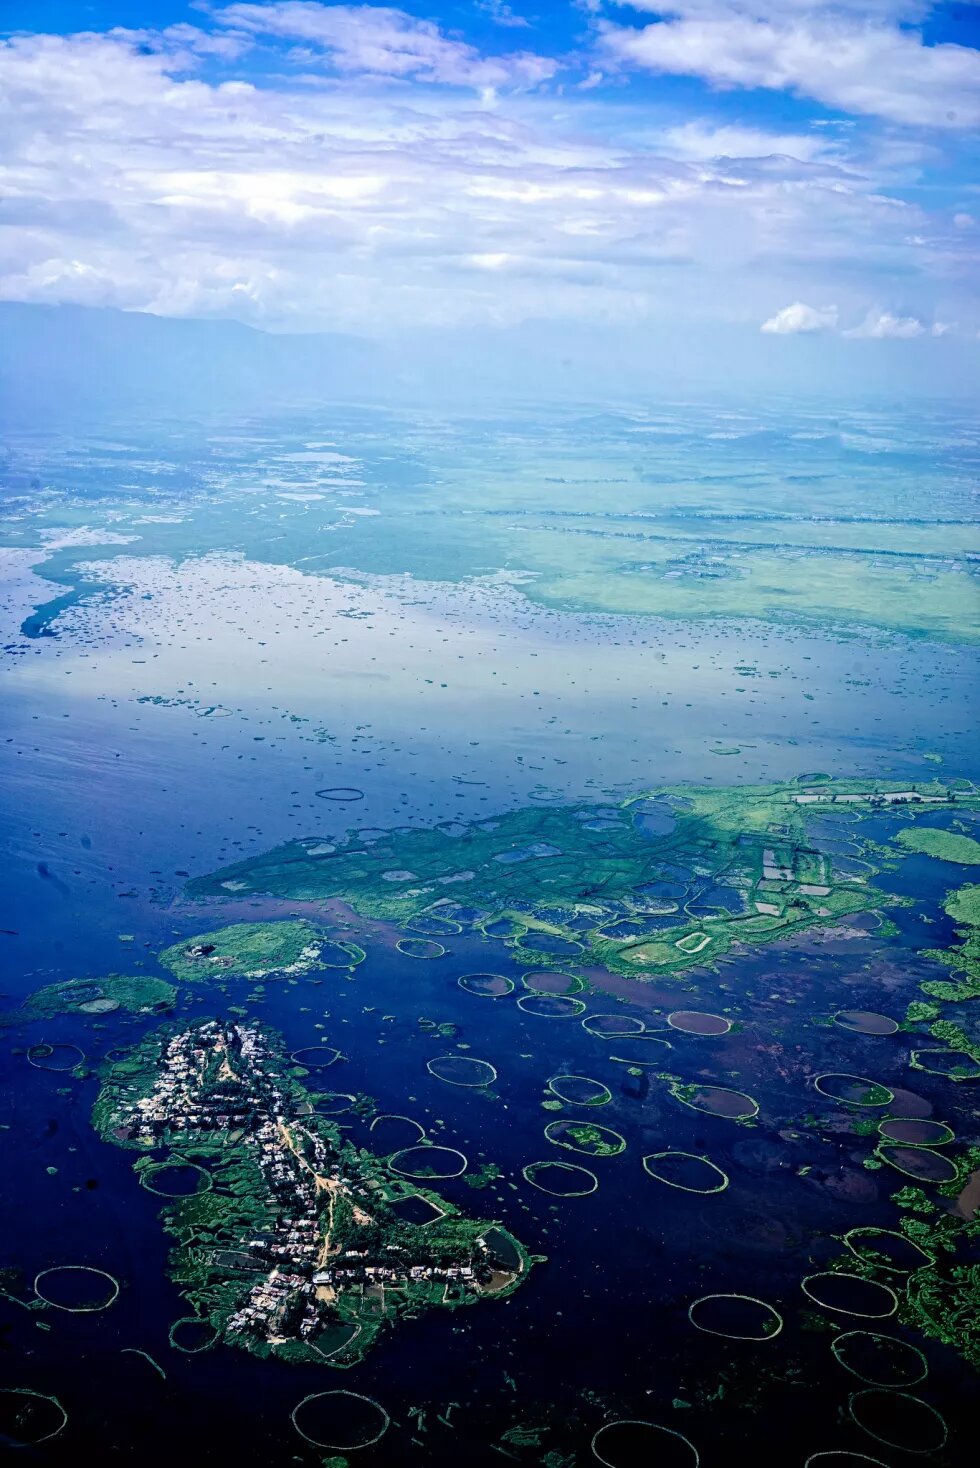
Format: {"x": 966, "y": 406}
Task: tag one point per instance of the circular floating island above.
{"x": 879, "y": 1360}
{"x": 65, "y": 1288}
{"x": 178, "y": 1179}
{"x": 551, "y": 1006}
{"x": 630, "y": 1441}
{"x": 60, "y": 1057}
{"x": 694, "y": 1022}
{"x": 852, "y": 1090}
{"x": 585, "y": 1136}
{"x": 922, "y": 1163}
{"x": 462, "y": 1070}
{"x": 898, "y": 1420}
{"x": 339, "y": 1420}
{"x": 736, "y": 1317}
{"x": 420, "y": 948}
{"x": 612, "y": 1026}
{"x": 850, "y": 1294}
{"x": 716, "y": 1101}
{"x": 688, "y": 1171}
{"x": 915, "y": 1131}
{"x": 560, "y": 1179}
{"x": 28, "y": 1418}
{"x": 487, "y": 986}
{"x": 865, "y": 1022}
{"x": 428, "y": 1161}
{"x": 549, "y": 981}
{"x": 579, "y": 1090}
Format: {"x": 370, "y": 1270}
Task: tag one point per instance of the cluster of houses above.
{"x": 221, "y": 1077}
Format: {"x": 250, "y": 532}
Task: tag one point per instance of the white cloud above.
{"x": 792, "y": 320}
{"x": 380, "y": 41}
{"x": 882, "y": 325}
{"x": 324, "y": 198}
{"x": 856, "y": 58}
{"x": 698, "y": 139}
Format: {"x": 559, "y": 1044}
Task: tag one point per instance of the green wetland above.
{"x": 491, "y": 978}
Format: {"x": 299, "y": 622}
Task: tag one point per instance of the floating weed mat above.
{"x": 340, "y": 1421}
{"x": 315, "y": 1057}
{"x": 579, "y": 1090}
{"x": 387, "y": 1117}
{"x": 334, "y": 1103}
{"x": 715, "y": 1100}
{"x": 428, "y": 1161}
{"x": 560, "y": 1179}
{"x": 550, "y": 1006}
{"x": 884, "y": 1247}
{"x": 838, "y": 1457}
{"x": 640, "y": 1050}
{"x": 915, "y": 1131}
{"x": 688, "y": 1171}
{"x": 879, "y": 1360}
{"x": 865, "y": 1022}
{"x": 420, "y": 948}
{"x": 462, "y": 1070}
{"x": 549, "y": 981}
{"x": 340, "y": 954}
{"x": 694, "y": 1022}
{"x": 852, "y": 1090}
{"x": 60, "y": 1057}
{"x": 585, "y": 1136}
{"x": 850, "y": 1294}
{"x": 898, "y": 1420}
{"x": 632, "y": 1442}
{"x": 175, "y": 1179}
{"x": 28, "y": 1417}
{"x": 612, "y": 1026}
{"x": 193, "y": 1334}
{"x": 432, "y": 926}
{"x": 953, "y": 1065}
{"x": 68, "y": 1287}
{"x": 736, "y": 1317}
{"x": 487, "y": 986}
{"x": 921, "y": 1163}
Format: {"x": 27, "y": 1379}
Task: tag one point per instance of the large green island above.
{"x": 290, "y": 1241}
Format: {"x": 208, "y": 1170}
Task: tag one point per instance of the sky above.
{"x": 799, "y": 170}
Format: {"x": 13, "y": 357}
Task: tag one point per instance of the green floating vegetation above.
{"x": 248, "y": 951}
{"x": 944, "y": 845}
{"x": 139, "y": 994}
{"x": 585, "y": 1136}
{"x": 303, "y": 1246}
{"x": 559, "y": 887}
{"x": 852, "y": 1090}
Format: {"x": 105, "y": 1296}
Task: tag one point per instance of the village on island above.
{"x": 291, "y": 1242}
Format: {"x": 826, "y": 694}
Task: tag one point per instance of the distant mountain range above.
{"x": 59, "y": 361}
{"x": 62, "y": 363}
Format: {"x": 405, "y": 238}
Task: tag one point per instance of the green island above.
{"x": 945, "y": 845}
{"x": 140, "y": 994}
{"x": 247, "y": 951}
{"x": 666, "y": 880}
{"x": 289, "y": 1240}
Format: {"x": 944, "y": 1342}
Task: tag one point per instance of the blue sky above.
{"x": 794, "y": 168}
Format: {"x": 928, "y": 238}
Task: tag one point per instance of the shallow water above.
{"x": 258, "y": 668}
